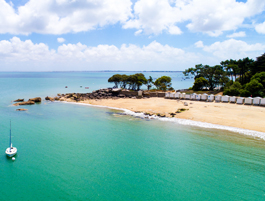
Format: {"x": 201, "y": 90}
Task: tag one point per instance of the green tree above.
{"x": 124, "y": 81}
{"x": 136, "y": 81}
{"x": 231, "y": 67}
{"x": 116, "y": 79}
{"x": 259, "y": 65}
{"x": 260, "y": 77}
{"x": 215, "y": 75}
{"x": 244, "y": 65}
{"x": 140, "y": 80}
{"x": 150, "y": 82}
{"x": 200, "y": 83}
{"x": 163, "y": 83}
{"x": 233, "y": 90}
{"x": 244, "y": 93}
{"x": 255, "y": 88}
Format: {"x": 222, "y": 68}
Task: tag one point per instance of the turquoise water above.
{"x": 76, "y": 152}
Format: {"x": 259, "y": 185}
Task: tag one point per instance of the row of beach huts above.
{"x": 218, "y": 98}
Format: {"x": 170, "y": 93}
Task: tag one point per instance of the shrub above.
{"x": 199, "y": 84}
{"x": 244, "y": 93}
{"x": 254, "y": 87}
{"x": 232, "y": 92}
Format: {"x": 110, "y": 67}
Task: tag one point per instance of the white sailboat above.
{"x": 11, "y": 151}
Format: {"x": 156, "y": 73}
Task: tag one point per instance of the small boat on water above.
{"x": 86, "y": 87}
{"x": 11, "y": 151}
{"x": 66, "y": 86}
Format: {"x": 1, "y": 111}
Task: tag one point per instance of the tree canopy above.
{"x": 136, "y": 81}
{"x": 214, "y": 75}
{"x": 242, "y": 77}
{"x": 163, "y": 83}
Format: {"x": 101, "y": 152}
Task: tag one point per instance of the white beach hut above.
{"x": 193, "y": 96}
{"x": 210, "y": 98}
{"x": 187, "y": 96}
{"x": 204, "y": 97}
{"x": 198, "y": 97}
{"x": 249, "y": 101}
{"x": 182, "y": 96}
{"x": 256, "y": 100}
{"x": 225, "y": 98}
{"x": 218, "y": 98}
{"x": 233, "y": 99}
{"x": 240, "y": 100}
{"x": 172, "y": 95}
{"x": 167, "y": 94}
{"x": 262, "y": 102}
{"x": 177, "y": 95}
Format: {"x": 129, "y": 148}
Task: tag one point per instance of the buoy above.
{"x": 13, "y": 158}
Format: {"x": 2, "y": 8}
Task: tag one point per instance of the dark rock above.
{"x": 24, "y": 103}
{"x": 121, "y": 96}
{"x": 19, "y": 100}
{"x": 116, "y": 90}
{"x": 49, "y": 98}
{"x": 21, "y": 109}
{"x": 172, "y": 114}
{"x": 36, "y": 100}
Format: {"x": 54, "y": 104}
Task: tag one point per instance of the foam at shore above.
{"x": 256, "y": 134}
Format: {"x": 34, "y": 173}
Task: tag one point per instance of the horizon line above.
{"x": 83, "y": 71}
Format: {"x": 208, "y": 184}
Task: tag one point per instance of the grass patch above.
{"x": 181, "y": 110}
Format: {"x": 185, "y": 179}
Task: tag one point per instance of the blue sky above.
{"x": 83, "y": 35}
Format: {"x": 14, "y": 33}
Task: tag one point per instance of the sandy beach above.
{"x": 226, "y": 114}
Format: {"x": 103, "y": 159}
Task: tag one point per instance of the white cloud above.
{"x": 60, "y": 40}
{"x": 62, "y": 16}
{"x": 138, "y": 32}
{"x": 26, "y": 55}
{"x": 237, "y": 34}
{"x": 199, "y": 44}
{"x": 210, "y": 17}
{"x": 234, "y": 49}
{"x": 154, "y": 16}
{"x": 155, "y": 56}
{"x": 18, "y": 50}
{"x": 260, "y": 28}
{"x": 151, "y": 16}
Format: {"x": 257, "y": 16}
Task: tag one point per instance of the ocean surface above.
{"x": 78, "y": 152}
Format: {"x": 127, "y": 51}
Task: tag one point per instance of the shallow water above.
{"x": 76, "y": 152}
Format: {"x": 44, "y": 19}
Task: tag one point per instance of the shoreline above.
{"x": 247, "y": 120}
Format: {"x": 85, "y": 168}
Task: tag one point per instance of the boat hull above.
{"x": 11, "y": 151}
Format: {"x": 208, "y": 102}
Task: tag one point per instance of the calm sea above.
{"x": 77, "y": 152}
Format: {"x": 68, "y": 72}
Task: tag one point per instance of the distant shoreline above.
{"x": 89, "y": 71}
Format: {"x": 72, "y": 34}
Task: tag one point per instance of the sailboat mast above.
{"x": 10, "y": 135}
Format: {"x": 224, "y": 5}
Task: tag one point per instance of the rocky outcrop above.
{"x": 21, "y": 109}
{"x": 24, "y": 103}
{"x": 49, "y": 98}
{"x": 19, "y": 100}
{"x": 108, "y": 93}
{"x": 36, "y": 100}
